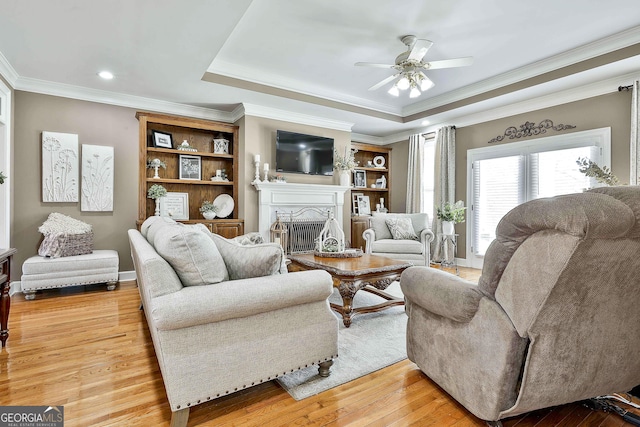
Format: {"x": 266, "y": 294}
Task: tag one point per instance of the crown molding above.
{"x": 367, "y": 139}
{"x": 288, "y": 116}
{"x": 591, "y": 50}
{"x": 119, "y": 99}
{"x": 244, "y": 73}
{"x": 7, "y": 71}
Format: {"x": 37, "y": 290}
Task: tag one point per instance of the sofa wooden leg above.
{"x": 324, "y": 368}
{"x": 180, "y": 417}
{"x": 111, "y": 285}
{"x": 29, "y": 295}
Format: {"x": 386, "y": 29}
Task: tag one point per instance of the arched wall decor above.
{"x": 530, "y": 129}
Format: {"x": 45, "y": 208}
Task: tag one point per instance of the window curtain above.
{"x": 414, "y": 174}
{"x": 445, "y": 185}
{"x": 635, "y": 135}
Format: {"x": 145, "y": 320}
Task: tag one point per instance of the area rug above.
{"x": 374, "y": 341}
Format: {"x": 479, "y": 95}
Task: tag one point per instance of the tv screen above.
{"x": 298, "y": 153}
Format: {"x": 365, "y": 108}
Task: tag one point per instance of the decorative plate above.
{"x": 225, "y": 204}
{"x": 378, "y": 161}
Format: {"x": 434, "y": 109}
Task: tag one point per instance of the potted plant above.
{"x": 155, "y": 192}
{"x": 2, "y": 178}
{"x": 155, "y": 164}
{"x": 208, "y": 210}
{"x": 344, "y": 165}
{"x": 591, "y": 169}
{"x": 450, "y": 214}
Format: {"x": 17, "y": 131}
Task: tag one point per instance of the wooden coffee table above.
{"x": 369, "y": 272}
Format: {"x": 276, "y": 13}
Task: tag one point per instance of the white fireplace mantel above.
{"x": 283, "y": 197}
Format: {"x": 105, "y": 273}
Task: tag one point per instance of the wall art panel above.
{"x": 97, "y": 178}
{"x": 59, "y": 167}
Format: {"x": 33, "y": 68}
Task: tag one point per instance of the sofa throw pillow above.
{"x": 401, "y": 229}
{"x": 192, "y": 254}
{"x": 246, "y": 261}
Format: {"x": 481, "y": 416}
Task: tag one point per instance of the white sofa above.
{"x": 212, "y": 339}
{"x": 380, "y": 241}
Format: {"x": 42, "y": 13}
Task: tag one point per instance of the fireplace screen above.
{"x": 303, "y": 227}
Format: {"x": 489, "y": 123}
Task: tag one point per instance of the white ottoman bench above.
{"x": 38, "y": 272}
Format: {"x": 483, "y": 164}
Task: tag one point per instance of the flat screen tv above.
{"x": 299, "y": 153}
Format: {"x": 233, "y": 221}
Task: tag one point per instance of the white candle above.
{"x": 266, "y": 166}
{"x": 256, "y": 158}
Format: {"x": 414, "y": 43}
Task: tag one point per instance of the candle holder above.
{"x": 266, "y": 175}
{"x": 257, "y": 178}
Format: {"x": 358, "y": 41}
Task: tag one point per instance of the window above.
{"x": 507, "y": 175}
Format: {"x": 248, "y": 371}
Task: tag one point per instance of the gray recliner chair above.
{"x": 554, "y": 318}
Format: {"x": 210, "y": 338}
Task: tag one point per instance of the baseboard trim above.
{"x": 126, "y": 276}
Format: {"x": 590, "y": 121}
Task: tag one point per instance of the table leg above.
{"x": 5, "y": 305}
{"x": 347, "y": 292}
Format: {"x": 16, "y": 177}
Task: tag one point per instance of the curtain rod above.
{"x": 625, "y": 88}
{"x": 433, "y": 134}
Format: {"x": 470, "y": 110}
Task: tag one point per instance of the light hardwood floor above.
{"x": 90, "y": 350}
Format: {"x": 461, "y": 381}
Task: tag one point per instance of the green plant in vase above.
{"x": 155, "y": 164}
{"x": 2, "y": 178}
{"x": 208, "y": 210}
{"x": 155, "y": 192}
{"x": 450, "y": 214}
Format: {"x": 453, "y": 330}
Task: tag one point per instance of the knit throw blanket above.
{"x": 57, "y": 223}
{"x": 65, "y": 236}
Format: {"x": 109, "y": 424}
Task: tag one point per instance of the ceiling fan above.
{"x": 410, "y": 68}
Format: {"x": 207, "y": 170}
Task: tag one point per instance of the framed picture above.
{"x": 359, "y": 179}
{"x": 354, "y": 202}
{"x": 220, "y": 146}
{"x": 162, "y": 139}
{"x": 381, "y": 183}
{"x": 175, "y": 205}
{"x": 190, "y": 167}
{"x": 364, "y": 206}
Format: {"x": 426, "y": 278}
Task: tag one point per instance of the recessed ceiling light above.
{"x": 106, "y": 75}
{"x": 425, "y": 122}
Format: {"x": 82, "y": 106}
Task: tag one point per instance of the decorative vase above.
{"x": 157, "y": 207}
{"x": 448, "y": 228}
{"x": 209, "y": 215}
{"x": 345, "y": 178}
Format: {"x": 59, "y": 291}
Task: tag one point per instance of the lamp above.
{"x": 416, "y": 81}
{"x": 415, "y": 92}
{"x": 279, "y": 233}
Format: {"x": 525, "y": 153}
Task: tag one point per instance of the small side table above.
{"x": 5, "y": 299}
{"x": 448, "y": 248}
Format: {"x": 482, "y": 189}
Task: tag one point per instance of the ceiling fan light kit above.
{"x": 410, "y": 68}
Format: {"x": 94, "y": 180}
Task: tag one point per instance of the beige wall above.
{"x": 610, "y": 110}
{"x": 399, "y": 172}
{"x": 260, "y": 138}
{"x": 96, "y": 124}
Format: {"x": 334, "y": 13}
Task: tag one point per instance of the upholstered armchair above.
{"x": 405, "y": 237}
{"x": 554, "y": 318}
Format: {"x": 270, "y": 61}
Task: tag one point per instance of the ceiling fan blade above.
{"x": 449, "y": 63}
{"x": 371, "y": 64}
{"x": 383, "y": 82}
{"x": 419, "y": 49}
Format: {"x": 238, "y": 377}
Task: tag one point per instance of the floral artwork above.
{"x": 59, "y": 167}
{"x": 97, "y": 178}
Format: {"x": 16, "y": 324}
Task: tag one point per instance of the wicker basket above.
{"x": 64, "y": 244}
